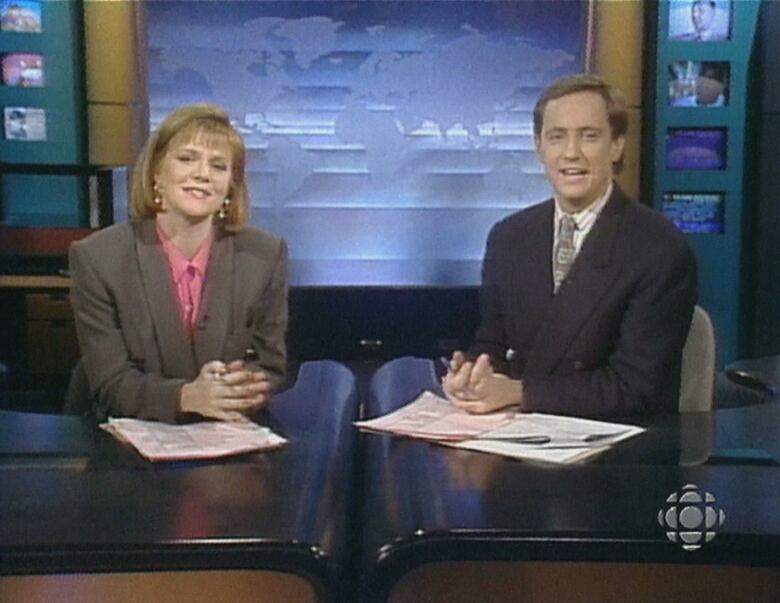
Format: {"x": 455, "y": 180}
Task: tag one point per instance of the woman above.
{"x": 183, "y": 310}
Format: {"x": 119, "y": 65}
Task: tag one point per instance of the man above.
{"x": 702, "y": 18}
{"x": 587, "y": 298}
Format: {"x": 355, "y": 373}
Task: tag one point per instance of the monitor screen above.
{"x": 695, "y": 212}
{"x": 384, "y": 138}
{"x": 696, "y": 149}
{"x": 699, "y": 20}
{"x": 699, "y": 84}
{"x": 23, "y": 69}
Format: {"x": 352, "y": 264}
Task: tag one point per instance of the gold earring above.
{"x": 223, "y": 211}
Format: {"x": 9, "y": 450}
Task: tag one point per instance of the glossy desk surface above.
{"x": 427, "y": 503}
{"x": 73, "y": 499}
{"x": 760, "y": 373}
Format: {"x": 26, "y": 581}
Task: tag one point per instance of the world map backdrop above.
{"x": 384, "y": 138}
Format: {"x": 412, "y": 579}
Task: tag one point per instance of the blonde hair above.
{"x": 191, "y": 122}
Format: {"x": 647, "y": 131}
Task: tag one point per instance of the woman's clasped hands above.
{"x": 226, "y": 392}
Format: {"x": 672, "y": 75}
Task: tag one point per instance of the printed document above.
{"x": 205, "y": 440}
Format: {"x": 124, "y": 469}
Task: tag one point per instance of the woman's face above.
{"x": 193, "y": 177}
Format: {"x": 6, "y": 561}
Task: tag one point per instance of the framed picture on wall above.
{"x": 699, "y": 84}
{"x": 24, "y": 123}
{"x": 696, "y": 149}
{"x": 699, "y": 20}
{"x": 23, "y": 69}
{"x": 21, "y": 16}
{"x": 695, "y": 212}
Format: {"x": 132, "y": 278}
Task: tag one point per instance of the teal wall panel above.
{"x": 720, "y": 255}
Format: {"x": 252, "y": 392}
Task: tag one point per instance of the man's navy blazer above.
{"x": 610, "y": 341}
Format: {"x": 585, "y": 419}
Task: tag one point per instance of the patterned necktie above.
{"x": 564, "y": 254}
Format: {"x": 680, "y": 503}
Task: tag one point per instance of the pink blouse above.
{"x": 188, "y": 276}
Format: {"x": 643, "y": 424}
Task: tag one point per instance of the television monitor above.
{"x": 384, "y": 138}
{"x": 696, "y": 148}
{"x": 24, "y": 124}
{"x": 698, "y": 83}
{"x": 699, "y": 20}
{"x": 20, "y": 16}
{"x": 695, "y": 212}
{"x": 24, "y": 69}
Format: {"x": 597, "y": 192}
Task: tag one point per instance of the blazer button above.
{"x": 579, "y": 365}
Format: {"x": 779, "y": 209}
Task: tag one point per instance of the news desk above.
{"x": 441, "y": 524}
{"x": 84, "y": 518}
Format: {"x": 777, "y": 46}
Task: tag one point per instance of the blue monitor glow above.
{"x": 696, "y": 149}
{"x": 384, "y": 138}
{"x": 695, "y": 212}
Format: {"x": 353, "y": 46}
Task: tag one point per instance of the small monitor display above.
{"x": 695, "y": 212}
{"x": 22, "y": 69}
{"x": 696, "y": 149}
{"x": 22, "y": 16}
{"x": 698, "y": 84}
{"x": 699, "y": 20}
{"x": 24, "y": 123}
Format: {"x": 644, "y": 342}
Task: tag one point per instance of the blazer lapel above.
{"x": 170, "y": 335}
{"x": 213, "y": 323}
{"x": 590, "y": 278}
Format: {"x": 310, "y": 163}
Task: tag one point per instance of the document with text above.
{"x": 432, "y": 417}
{"x": 532, "y": 436}
{"x": 205, "y": 440}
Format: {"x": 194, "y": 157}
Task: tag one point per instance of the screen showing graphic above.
{"x": 24, "y": 123}
{"x": 384, "y": 138}
{"x": 698, "y": 84}
{"x": 695, "y": 212}
{"x": 696, "y": 149}
{"x": 22, "y": 69}
{"x": 699, "y": 20}
{"x": 22, "y": 16}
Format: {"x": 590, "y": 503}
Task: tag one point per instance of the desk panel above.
{"x": 430, "y": 509}
{"x": 282, "y": 511}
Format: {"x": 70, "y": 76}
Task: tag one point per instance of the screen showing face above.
{"x": 695, "y": 212}
{"x": 699, "y": 20}
{"x": 384, "y": 138}
{"x": 696, "y": 149}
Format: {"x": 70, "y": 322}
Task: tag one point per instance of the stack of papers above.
{"x": 532, "y": 436}
{"x": 431, "y": 417}
{"x": 209, "y": 439}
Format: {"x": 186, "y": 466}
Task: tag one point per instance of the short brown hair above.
{"x": 191, "y": 121}
{"x": 617, "y": 114}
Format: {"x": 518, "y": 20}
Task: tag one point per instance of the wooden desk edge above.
{"x": 23, "y": 281}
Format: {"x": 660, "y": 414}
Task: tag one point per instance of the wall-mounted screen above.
{"x": 696, "y": 149}
{"x": 699, "y": 20}
{"x": 695, "y": 212}
{"x": 23, "y": 69}
{"x": 21, "y": 16}
{"x": 26, "y": 124}
{"x": 699, "y": 84}
{"x": 385, "y": 138}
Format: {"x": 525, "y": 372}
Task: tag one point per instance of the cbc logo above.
{"x": 690, "y": 517}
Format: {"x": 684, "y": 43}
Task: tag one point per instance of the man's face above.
{"x": 577, "y": 148}
{"x": 702, "y": 14}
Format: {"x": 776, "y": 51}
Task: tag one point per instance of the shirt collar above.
{"x": 178, "y": 262}
{"x": 591, "y": 212}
